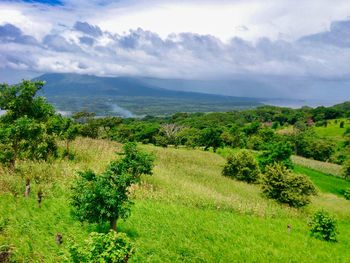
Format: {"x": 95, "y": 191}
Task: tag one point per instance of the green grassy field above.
{"x": 333, "y": 129}
{"x": 185, "y": 212}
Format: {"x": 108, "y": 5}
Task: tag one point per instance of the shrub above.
{"x": 323, "y": 226}
{"x": 341, "y": 125}
{"x": 111, "y": 247}
{"x": 346, "y": 169}
{"x": 242, "y": 166}
{"x": 293, "y": 189}
{"x": 347, "y": 194}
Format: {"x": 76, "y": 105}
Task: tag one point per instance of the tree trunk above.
{"x": 67, "y": 149}
{"x": 113, "y": 223}
{"x": 13, "y": 160}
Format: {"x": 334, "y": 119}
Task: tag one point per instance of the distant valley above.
{"x": 129, "y": 96}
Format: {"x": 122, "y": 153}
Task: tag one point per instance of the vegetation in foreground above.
{"x": 185, "y": 212}
{"x": 258, "y": 206}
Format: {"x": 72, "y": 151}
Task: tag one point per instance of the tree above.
{"x": 210, "y": 137}
{"x": 108, "y": 123}
{"x": 251, "y": 129}
{"x": 23, "y": 126}
{"x": 171, "y": 132}
{"x": 69, "y": 132}
{"x": 106, "y": 197}
{"x": 279, "y": 152}
{"x": 242, "y": 166}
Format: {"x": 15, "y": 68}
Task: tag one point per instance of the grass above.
{"x": 186, "y": 212}
{"x": 328, "y": 168}
{"x": 333, "y": 129}
{"x": 325, "y": 182}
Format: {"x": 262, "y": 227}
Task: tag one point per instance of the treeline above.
{"x": 256, "y": 129}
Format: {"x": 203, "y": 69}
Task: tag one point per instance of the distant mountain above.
{"x": 87, "y": 85}
{"x": 141, "y": 96}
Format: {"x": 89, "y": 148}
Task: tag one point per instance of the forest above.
{"x": 258, "y": 185}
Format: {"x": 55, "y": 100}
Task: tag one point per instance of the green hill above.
{"x": 185, "y": 212}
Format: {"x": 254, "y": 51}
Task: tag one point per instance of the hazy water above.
{"x": 295, "y": 104}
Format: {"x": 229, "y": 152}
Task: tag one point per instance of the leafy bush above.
{"x": 279, "y": 152}
{"x": 111, "y": 247}
{"x": 323, "y": 226}
{"x": 347, "y": 194}
{"x": 293, "y": 189}
{"x": 242, "y": 166}
{"x": 346, "y": 169}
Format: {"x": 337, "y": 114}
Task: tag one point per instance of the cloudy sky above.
{"x": 277, "y": 48}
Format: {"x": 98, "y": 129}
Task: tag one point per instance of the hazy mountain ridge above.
{"x": 58, "y": 84}
{"x": 141, "y": 96}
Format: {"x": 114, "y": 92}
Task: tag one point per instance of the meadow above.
{"x": 185, "y": 212}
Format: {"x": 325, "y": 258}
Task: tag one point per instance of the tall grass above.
{"x": 328, "y": 168}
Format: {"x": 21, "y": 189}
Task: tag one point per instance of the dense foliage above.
{"x": 324, "y": 226}
{"x": 112, "y": 247}
{"x": 242, "y": 166}
{"x": 278, "y": 152}
{"x": 281, "y": 184}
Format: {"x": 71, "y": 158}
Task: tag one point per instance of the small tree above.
{"x": 242, "y": 166}
{"x": 108, "y": 123}
{"x": 210, "y": 137}
{"x": 293, "y": 189}
{"x": 106, "y": 197}
{"x": 171, "y": 132}
{"x": 69, "y": 131}
{"x": 324, "y": 226}
{"x": 341, "y": 125}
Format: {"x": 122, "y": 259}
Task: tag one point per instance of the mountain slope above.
{"x": 74, "y": 92}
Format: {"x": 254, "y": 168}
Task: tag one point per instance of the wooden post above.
{"x": 40, "y": 194}
{"x": 26, "y": 194}
{"x": 59, "y": 240}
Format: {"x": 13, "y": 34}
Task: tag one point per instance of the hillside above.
{"x": 138, "y": 96}
{"x": 186, "y": 212}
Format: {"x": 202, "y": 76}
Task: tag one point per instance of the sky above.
{"x": 277, "y": 48}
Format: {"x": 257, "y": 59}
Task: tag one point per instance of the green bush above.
{"x": 323, "y": 226}
{"x": 347, "y": 194}
{"x": 242, "y": 166}
{"x": 346, "y": 169}
{"x": 293, "y": 189}
{"x": 112, "y": 247}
